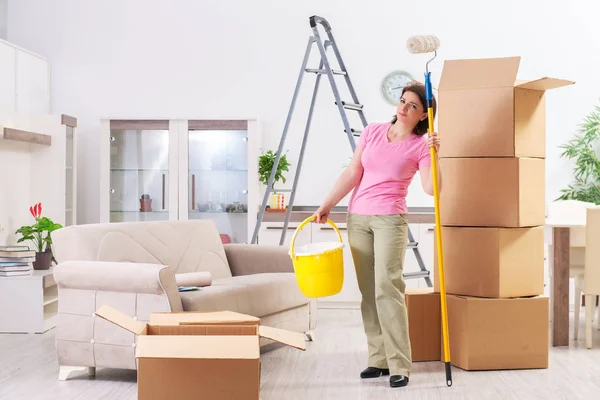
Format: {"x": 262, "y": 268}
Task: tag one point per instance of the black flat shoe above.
{"x": 398, "y": 380}
{"x": 372, "y": 372}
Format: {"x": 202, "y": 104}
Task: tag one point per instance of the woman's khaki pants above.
{"x": 378, "y": 244}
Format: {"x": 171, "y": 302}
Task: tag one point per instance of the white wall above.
{"x": 220, "y": 59}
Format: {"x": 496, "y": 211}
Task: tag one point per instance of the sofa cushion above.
{"x": 186, "y": 246}
{"x": 257, "y": 295}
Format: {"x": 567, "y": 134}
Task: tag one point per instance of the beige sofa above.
{"x": 131, "y": 266}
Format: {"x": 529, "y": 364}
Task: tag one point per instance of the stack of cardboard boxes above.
{"x": 493, "y": 130}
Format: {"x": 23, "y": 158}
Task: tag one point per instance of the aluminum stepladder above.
{"x": 325, "y": 69}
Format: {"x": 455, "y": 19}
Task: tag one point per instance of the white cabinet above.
{"x": 349, "y": 297}
{"x": 270, "y": 232}
{"x": 32, "y": 83}
{"x": 7, "y": 76}
{"x": 182, "y": 169}
{"x": 24, "y": 80}
{"x": 28, "y": 303}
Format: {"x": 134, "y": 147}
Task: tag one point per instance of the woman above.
{"x": 386, "y": 159}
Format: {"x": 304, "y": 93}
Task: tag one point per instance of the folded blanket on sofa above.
{"x": 194, "y": 279}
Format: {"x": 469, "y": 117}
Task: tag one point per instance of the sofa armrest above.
{"x": 119, "y": 277}
{"x": 248, "y": 259}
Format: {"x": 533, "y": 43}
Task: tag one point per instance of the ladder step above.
{"x": 412, "y": 245}
{"x": 351, "y": 106}
{"x": 324, "y": 71}
{"x": 416, "y": 274}
{"x": 355, "y": 132}
{"x": 282, "y": 190}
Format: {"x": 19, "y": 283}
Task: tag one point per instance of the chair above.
{"x": 587, "y": 277}
{"x": 572, "y": 211}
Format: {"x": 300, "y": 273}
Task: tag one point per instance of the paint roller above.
{"x": 418, "y": 45}
{"x": 422, "y": 44}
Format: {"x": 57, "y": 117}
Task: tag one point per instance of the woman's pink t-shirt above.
{"x": 388, "y": 171}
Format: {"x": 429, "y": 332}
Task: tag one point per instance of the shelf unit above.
{"x": 181, "y": 169}
{"x": 28, "y": 303}
{"x": 35, "y": 146}
{"x": 70, "y": 124}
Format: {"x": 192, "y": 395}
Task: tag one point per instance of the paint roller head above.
{"x": 422, "y": 44}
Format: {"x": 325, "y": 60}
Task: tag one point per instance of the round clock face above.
{"x": 392, "y": 85}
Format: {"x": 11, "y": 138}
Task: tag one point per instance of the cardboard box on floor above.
{"x": 493, "y": 192}
{"x": 495, "y": 334}
{"x": 485, "y": 112}
{"x": 213, "y": 355}
{"x": 492, "y": 262}
{"x": 424, "y": 324}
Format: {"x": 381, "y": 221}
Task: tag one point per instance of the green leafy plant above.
{"x": 265, "y": 165}
{"x": 586, "y": 173}
{"x": 35, "y": 232}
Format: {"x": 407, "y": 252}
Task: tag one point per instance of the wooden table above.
{"x": 561, "y": 243}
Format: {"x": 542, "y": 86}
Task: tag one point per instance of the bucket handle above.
{"x": 303, "y": 224}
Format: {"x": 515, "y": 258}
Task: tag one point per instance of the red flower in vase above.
{"x": 36, "y": 210}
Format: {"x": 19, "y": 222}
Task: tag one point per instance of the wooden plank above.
{"x": 27, "y": 137}
{"x": 68, "y": 121}
{"x": 340, "y": 217}
{"x": 139, "y": 124}
{"x": 218, "y": 125}
{"x": 560, "y": 313}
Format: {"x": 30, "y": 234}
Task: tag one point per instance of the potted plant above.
{"x": 582, "y": 149}
{"x": 35, "y": 233}
{"x": 265, "y": 165}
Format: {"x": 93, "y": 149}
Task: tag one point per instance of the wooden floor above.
{"x": 327, "y": 370}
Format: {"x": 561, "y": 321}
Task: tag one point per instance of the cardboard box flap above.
{"x": 293, "y": 339}
{"x": 479, "y": 73}
{"x": 122, "y": 320}
{"x": 543, "y": 84}
{"x": 201, "y": 318}
{"x": 198, "y": 347}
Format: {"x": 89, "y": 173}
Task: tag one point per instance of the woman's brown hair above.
{"x": 419, "y": 89}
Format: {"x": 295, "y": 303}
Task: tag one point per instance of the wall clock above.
{"x": 392, "y": 85}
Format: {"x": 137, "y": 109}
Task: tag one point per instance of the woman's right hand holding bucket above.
{"x": 321, "y": 215}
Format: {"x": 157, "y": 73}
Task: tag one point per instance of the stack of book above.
{"x": 16, "y": 260}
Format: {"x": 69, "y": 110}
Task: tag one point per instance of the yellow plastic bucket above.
{"x": 319, "y": 267}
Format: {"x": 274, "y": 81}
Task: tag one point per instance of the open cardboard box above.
{"x": 487, "y": 112}
{"x": 211, "y": 355}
